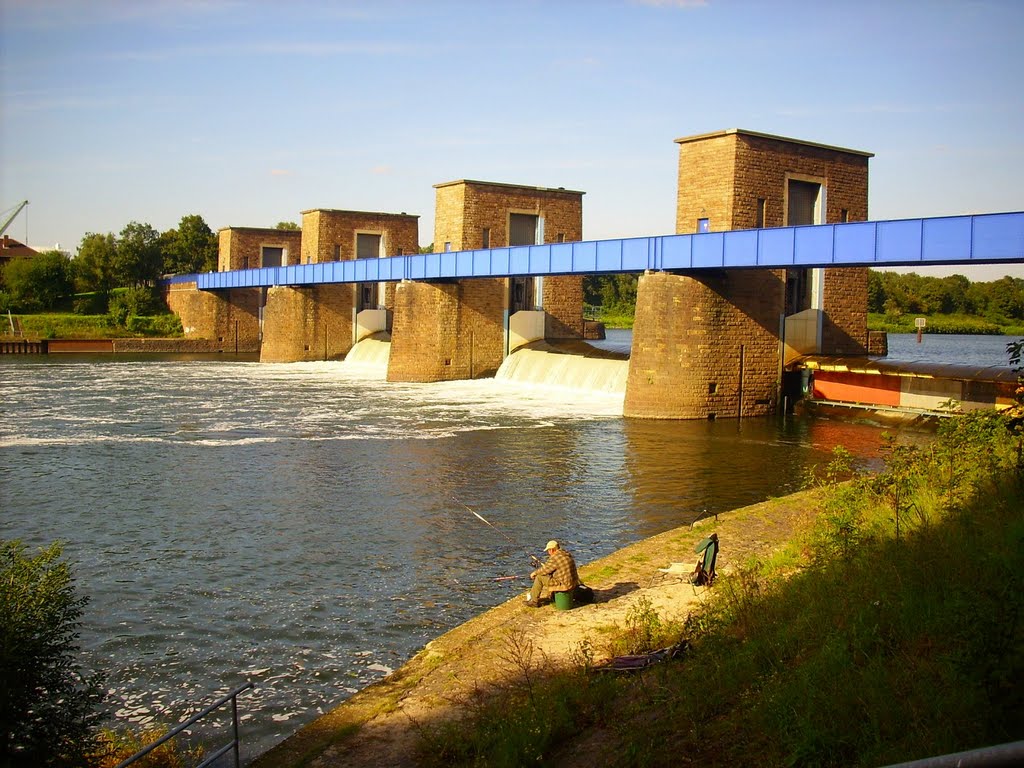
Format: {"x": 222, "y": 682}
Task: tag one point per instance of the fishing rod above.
{"x": 533, "y": 558}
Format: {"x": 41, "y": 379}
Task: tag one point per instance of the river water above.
{"x": 306, "y": 526}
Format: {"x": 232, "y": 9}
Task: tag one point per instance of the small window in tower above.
{"x": 703, "y": 225}
{"x": 337, "y": 253}
{"x": 401, "y": 252}
{"x": 486, "y": 237}
{"x": 762, "y": 206}
{"x": 561, "y": 237}
{"x": 844, "y": 215}
{"x": 447, "y": 247}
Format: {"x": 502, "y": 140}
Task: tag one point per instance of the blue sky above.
{"x": 249, "y": 112}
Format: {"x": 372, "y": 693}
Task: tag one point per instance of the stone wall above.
{"x": 307, "y": 323}
{"x": 563, "y": 307}
{"x": 330, "y": 235}
{"x": 844, "y": 328}
{"x": 465, "y": 208}
{"x": 241, "y": 247}
{"x": 705, "y": 347}
{"x": 723, "y": 175}
{"x": 229, "y": 318}
{"x": 447, "y": 331}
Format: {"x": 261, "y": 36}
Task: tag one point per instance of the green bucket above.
{"x": 563, "y": 601}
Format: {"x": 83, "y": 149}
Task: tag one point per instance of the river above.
{"x": 307, "y": 527}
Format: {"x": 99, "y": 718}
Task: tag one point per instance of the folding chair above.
{"x": 703, "y": 574}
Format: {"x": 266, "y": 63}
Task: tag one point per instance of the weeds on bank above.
{"x": 118, "y": 746}
{"x": 897, "y": 634}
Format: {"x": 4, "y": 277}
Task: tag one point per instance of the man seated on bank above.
{"x": 558, "y": 574}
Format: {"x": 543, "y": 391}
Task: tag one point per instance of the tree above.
{"x": 48, "y": 708}
{"x": 192, "y": 247}
{"x": 39, "y": 282}
{"x": 290, "y": 226}
{"x": 95, "y": 263}
{"x": 139, "y": 260}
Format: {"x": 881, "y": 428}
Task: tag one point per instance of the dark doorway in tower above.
{"x": 367, "y": 247}
{"x": 803, "y": 206}
{"x": 522, "y": 230}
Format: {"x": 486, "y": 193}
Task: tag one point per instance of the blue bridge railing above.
{"x": 976, "y": 239}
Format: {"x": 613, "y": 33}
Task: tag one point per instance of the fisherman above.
{"x": 558, "y": 574}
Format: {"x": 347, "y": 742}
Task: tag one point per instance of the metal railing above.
{"x": 232, "y": 745}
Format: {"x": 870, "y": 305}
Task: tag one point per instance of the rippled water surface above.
{"x": 304, "y": 526}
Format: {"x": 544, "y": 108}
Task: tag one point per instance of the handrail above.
{"x": 233, "y": 744}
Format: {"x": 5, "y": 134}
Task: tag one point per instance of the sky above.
{"x": 248, "y": 113}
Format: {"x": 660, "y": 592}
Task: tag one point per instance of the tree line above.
{"x": 999, "y": 301}
{"x": 135, "y": 258}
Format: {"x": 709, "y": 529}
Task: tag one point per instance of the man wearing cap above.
{"x": 558, "y": 574}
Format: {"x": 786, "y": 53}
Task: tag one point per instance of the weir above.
{"x": 768, "y": 264}
{"x": 539, "y": 367}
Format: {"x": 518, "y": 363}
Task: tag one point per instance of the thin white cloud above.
{"x": 673, "y": 3}
{"x": 42, "y": 101}
{"x": 276, "y": 48}
{"x": 382, "y": 170}
{"x": 281, "y": 172}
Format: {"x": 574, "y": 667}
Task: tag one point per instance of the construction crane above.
{"x": 7, "y": 222}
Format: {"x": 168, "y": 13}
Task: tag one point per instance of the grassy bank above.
{"x": 944, "y": 324}
{"x": 73, "y": 326}
{"x": 891, "y": 630}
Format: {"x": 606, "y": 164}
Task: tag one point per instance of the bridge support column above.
{"x": 705, "y": 346}
{"x": 307, "y": 323}
{"x": 447, "y": 331}
{"x": 563, "y": 303}
{"x": 229, "y": 317}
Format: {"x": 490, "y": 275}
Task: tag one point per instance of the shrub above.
{"x": 133, "y": 302}
{"x": 47, "y": 705}
{"x": 90, "y": 304}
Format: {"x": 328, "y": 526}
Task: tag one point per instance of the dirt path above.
{"x": 380, "y": 725}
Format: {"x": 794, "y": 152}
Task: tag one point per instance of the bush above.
{"x": 90, "y": 304}
{"x": 133, "y": 302}
{"x": 158, "y": 325}
{"x": 47, "y": 706}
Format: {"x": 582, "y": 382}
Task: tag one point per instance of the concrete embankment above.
{"x": 380, "y": 725}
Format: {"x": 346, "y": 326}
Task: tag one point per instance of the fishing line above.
{"x": 533, "y": 558}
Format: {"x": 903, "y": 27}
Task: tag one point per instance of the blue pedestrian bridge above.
{"x": 990, "y": 238}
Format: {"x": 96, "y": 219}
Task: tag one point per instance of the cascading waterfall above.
{"x": 530, "y": 367}
{"x": 590, "y": 374}
{"x": 370, "y": 355}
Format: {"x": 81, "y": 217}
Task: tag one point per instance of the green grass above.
{"x": 866, "y": 643}
{"x": 71, "y": 326}
{"x": 943, "y": 324}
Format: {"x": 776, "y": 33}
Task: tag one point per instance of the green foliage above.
{"x": 47, "y": 705}
{"x": 524, "y": 724}
{"x": 131, "y": 303}
{"x": 894, "y": 294}
{"x": 159, "y": 326}
{"x": 615, "y": 294}
{"x": 644, "y": 631}
{"x": 96, "y": 263}
{"x": 117, "y": 746}
{"x": 38, "y": 283}
{"x": 936, "y": 324}
{"x": 192, "y": 247}
{"x": 91, "y": 304}
{"x": 288, "y": 226}
{"x": 138, "y": 259}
